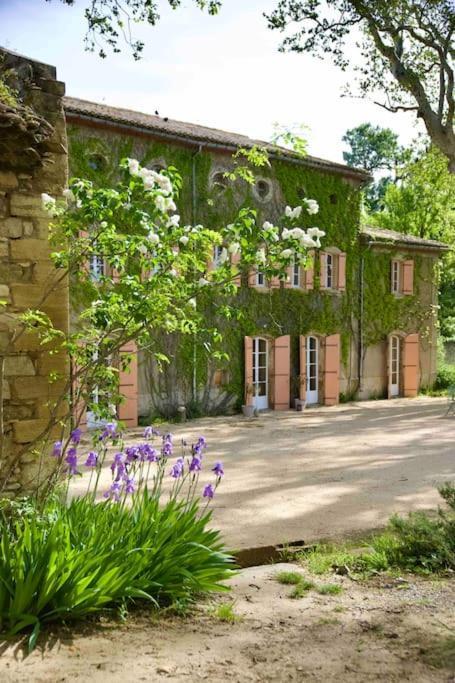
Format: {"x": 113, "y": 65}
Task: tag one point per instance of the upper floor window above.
{"x": 333, "y": 270}
{"x": 260, "y": 279}
{"x": 402, "y": 277}
{"x": 96, "y": 267}
{"x": 217, "y": 255}
{"x": 295, "y": 274}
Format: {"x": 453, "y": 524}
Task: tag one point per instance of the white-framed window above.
{"x": 295, "y": 274}
{"x": 217, "y": 251}
{"x": 260, "y": 279}
{"x": 96, "y": 267}
{"x": 330, "y": 271}
{"x": 396, "y": 277}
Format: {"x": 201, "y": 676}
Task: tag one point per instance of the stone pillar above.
{"x": 33, "y": 160}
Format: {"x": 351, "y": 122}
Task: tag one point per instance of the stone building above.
{"x": 360, "y": 323}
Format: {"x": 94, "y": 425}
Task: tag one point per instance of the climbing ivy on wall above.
{"x": 94, "y": 154}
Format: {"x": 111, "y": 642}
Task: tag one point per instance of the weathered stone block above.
{"x": 8, "y": 180}
{"x": 33, "y": 296}
{"x": 32, "y": 249}
{"x": 6, "y": 390}
{"x": 28, "y": 430}
{"x": 4, "y": 247}
{"x": 5, "y": 293}
{"x": 56, "y": 363}
{"x": 27, "y": 205}
{"x": 27, "y": 227}
{"x": 19, "y": 365}
{"x": 11, "y": 227}
{"x": 28, "y": 388}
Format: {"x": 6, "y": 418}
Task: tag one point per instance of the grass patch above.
{"x": 329, "y": 589}
{"x": 225, "y": 612}
{"x": 288, "y": 578}
{"x": 301, "y": 589}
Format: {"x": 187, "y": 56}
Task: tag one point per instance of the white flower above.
{"x": 149, "y": 183}
{"x": 260, "y": 256}
{"x": 184, "y": 240}
{"x": 285, "y": 234}
{"x": 173, "y": 221}
{"x": 173, "y": 272}
{"x": 267, "y": 225}
{"x": 308, "y": 241}
{"x": 163, "y": 182}
{"x": 297, "y": 233}
{"x": 103, "y": 224}
{"x": 312, "y": 206}
{"x": 160, "y": 203}
{"x": 145, "y": 173}
{"x": 153, "y": 238}
{"x": 274, "y": 236}
{"x": 286, "y": 253}
{"x": 133, "y": 166}
{"x": 293, "y": 213}
{"x": 49, "y": 204}
{"x": 315, "y": 232}
{"x": 69, "y": 195}
{"x": 202, "y": 282}
{"x": 143, "y": 249}
{"x": 192, "y": 302}
{"x": 169, "y": 204}
{"x": 234, "y": 248}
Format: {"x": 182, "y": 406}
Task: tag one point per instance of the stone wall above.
{"x": 33, "y": 160}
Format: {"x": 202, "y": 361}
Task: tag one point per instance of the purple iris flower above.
{"x": 202, "y": 442}
{"x": 129, "y": 485}
{"x": 167, "y": 449}
{"x": 71, "y": 461}
{"x": 118, "y": 466}
{"x": 132, "y": 453}
{"x": 114, "y": 491}
{"x": 149, "y": 432}
{"x": 167, "y": 438}
{"x": 218, "y": 469}
{"x": 76, "y": 436}
{"x": 109, "y": 431}
{"x": 57, "y": 450}
{"x": 92, "y": 459}
{"x": 148, "y": 453}
{"x": 195, "y": 464}
{"x": 177, "y": 469}
{"x": 209, "y": 491}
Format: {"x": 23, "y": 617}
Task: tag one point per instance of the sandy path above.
{"x": 326, "y": 472}
{"x": 388, "y": 631}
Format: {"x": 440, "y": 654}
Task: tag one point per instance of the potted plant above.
{"x": 248, "y": 408}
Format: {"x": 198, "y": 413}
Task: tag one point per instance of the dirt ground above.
{"x": 326, "y": 472}
{"x": 388, "y": 629}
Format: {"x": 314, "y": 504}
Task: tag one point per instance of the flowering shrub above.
{"x": 70, "y": 559}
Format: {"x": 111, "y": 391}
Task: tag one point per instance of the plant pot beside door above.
{"x": 248, "y": 408}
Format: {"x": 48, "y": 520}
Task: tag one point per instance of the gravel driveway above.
{"x": 325, "y": 472}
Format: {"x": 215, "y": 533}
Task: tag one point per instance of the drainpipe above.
{"x": 193, "y": 220}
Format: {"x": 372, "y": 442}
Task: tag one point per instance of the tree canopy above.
{"x": 407, "y": 52}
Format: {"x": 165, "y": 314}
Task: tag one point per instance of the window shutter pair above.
{"x": 340, "y": 271}
{"x": 408, "y": 277}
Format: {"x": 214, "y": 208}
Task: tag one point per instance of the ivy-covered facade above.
{"x": 361, "y": 323}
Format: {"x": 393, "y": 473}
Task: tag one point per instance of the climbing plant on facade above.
{"x": 138, "y": 273}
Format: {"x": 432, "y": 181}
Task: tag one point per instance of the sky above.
{"x": 223, "y": 71}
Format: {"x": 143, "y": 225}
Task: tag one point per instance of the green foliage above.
{"x": 403, "y": 47}
{"x": 70, "y": 561}
{"x": 7, "y": 95}
{"x": 288, "y": 578}
{"x": 301, "y": 589}
{"x": 225, "y": 612}
{"x": 445, "y": 377}
{"x": 418, "y": 543}
{"x": 329, "y": 589}
{"x": 293, "y": 137}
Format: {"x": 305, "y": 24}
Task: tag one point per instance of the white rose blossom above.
{"x": 192, "y": 302}
{"x": 286, "y": 253}
{"x": 184, "y": 240}
{"x": 173, "y": 221}
{"x": 160, "y": 203}
{"x": 203, "y": 282}
{"x": 143, "y": 249}
{"x": 169, "y": 204}
{"x": 267, "y": 225}
{"x": 312, "y": 206}
{"x": 153, "y": 238}
{"x": 293, "y": 213}
{"x": 133, "y": 166}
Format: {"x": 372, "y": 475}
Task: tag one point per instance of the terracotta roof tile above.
{"x": 399, "y": 238}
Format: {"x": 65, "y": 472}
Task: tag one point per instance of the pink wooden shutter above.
{"x": 248, "y": 345}
{"x": 128, "y": 387}
{"x": 235, "y": 260}
{"x": 342, "y": 272}
{"x": 332, "y": 370}
{"x": 322, "y": 269}
{"x": 288, "y": 279}
{"x": 252, "y": 277}
{"x": 302, "y": 359}
{"x": 408, "y": 277}
{"x": 410, "y": 365}
{"x": 282, "y": 372}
